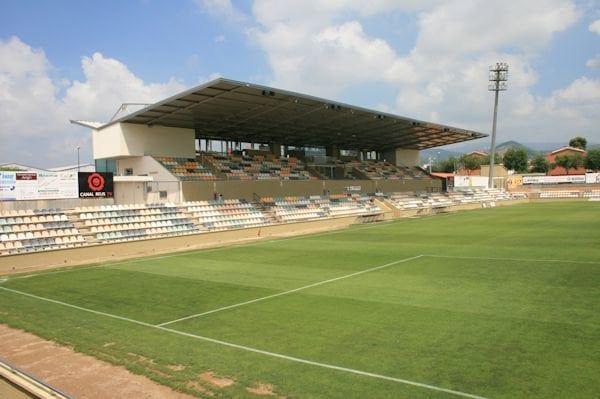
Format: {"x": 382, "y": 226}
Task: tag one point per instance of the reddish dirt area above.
{"x": 78, "y": 375}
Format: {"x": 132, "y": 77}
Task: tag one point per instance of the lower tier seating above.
{"x": 226, "y": 215}
{"x": 288, "y": 209}
{"x": 407, "y": 201}
{"x": 134, "y": 222}
{"x": 37, "y": 230}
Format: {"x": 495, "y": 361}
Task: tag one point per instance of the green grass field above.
{"x": 494, "y": 303}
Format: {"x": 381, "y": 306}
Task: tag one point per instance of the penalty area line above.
{"x": 255, "y": 350}
{"x": 264, "y": 298}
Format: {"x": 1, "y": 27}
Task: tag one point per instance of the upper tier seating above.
{"x": 226, "y": 215}
{"x": 377, "y": 170}
{"x": 257, "y": 167}
{"x": 37, "y": 230}
{"x": 132, "y": 222}
{"x": 186, "y": 169}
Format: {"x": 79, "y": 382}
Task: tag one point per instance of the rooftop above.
{"x": 225, "y": 109}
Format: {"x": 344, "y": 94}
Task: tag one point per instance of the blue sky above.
{"x": 422, "y": 59}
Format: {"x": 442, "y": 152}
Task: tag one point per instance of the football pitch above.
{"x": 491, "y": 303}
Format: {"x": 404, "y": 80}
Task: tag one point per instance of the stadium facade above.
{"x": 249, "y": 119}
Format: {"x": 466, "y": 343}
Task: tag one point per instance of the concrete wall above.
{"x": 129, "y": 139}
{"x": 145, "y": 165}
{"x": 130, "y": 192}
{"x": 55, "y": 203}
{"x": 139, "y": 192}
{"x": 196, "y": 191}
{"x": 401, "y": 156}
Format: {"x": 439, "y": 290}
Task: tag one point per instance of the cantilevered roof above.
{"x": 225, "y": 109}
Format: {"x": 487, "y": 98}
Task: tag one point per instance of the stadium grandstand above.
{"x": 207, "y": 139}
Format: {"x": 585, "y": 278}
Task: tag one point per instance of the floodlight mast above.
{"x": 498, "y": 77}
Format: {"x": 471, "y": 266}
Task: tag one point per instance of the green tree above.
{"x": 578, "y": 142}
{"x": 470, "y": 161}
{"x": 447, "y": 165}
{"x": 487, "y": 159}
{"x": 569, "y": 161}
{"x": 539, "y": 164}
{"x": 592, "y": 159}
{"x": 10, "y": 169}
{"x": 515, "y": 159}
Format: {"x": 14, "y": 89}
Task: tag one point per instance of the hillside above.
{"x": 503, "y": 147}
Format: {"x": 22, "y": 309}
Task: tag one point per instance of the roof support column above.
{"x": 332, "y": 151}
{"x": 402, "y": 156}
{"x": 275, "y": 149}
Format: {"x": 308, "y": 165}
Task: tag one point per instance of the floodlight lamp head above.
{"x": 499, "y": 67}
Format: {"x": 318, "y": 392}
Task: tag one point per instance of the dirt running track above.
{"x": 78, "y": 375}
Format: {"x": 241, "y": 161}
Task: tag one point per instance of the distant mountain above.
{"x": 503, "y": 147}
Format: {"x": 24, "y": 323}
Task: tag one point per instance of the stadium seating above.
{"x": 406, "y": 201}
{"x": 592, "y": 194}
{"x": 226, "y": 215}
{"x": 27, "y": 231}
{"x": 294, "y": 209}
{"x": 561, "y": 194}
{"x": 257, "y": 167}
{"x": 478, "y": 195}
{"x": 377, "y": 170}
{"x": 186, "y": 169}
{"x": 133, "y": 222}
{"x": 37, "y": 230}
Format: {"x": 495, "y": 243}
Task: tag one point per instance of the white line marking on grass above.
{"x": 331, "y": 280}
{"x": 254, "y": 350}
{"x": 513, "y": 259}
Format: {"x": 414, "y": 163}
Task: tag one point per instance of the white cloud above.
{"x": 108, "y": 83}
{"x": 595, "y": 26}
{"x": 222, "y": 9}
{"x": 27, "y": 92}
{"x": 34, "y": 115}
{"x": 467, "y": 26}
{"x": 322, "y": 47}
{"x": 593, "y": 63}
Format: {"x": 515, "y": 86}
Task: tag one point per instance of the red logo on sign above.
{"x": 95, "y": 182}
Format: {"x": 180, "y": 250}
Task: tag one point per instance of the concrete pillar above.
{"x": 401, "y": 156}
{"x": 275, "y": 149}
{"x": 332, "y": 151}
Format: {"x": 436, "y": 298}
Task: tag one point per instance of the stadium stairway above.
{"x": 388, "y": 211}
{"x": 85, "y": 231}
